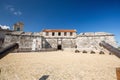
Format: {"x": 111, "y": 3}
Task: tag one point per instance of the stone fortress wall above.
{"x": 89, "y": 41}
{"x": 2, "y": 36}
{"x": 27, "y": 41}
{"x": 55, "y": 40}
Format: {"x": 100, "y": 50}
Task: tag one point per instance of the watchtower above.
{"x": 18, "y": 26}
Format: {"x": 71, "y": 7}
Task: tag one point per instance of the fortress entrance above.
{"x": 59, "y": 47}
{"x": 59, "y": 44}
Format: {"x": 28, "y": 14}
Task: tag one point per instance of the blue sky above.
{"x": 82, "y": 15}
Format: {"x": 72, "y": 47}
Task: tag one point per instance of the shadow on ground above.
{"x": 44, "y": 77}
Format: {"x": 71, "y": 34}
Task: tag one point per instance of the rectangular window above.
{"x": 59, "y": 34}
{"x": 18, "y": 29}
{"x": 47, "y": 33}
{"x": 53, "y": 33}
{"x": 65, "y": 33}
{"x": 71, "y": 33}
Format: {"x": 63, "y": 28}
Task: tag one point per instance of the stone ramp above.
{"x": 110, "y": 48}
{"x": 8, "y": 49}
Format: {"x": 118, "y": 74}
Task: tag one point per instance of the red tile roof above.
{"x": 58, "y": 30}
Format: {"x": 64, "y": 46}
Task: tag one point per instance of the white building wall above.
{"x": 56, "y": 34}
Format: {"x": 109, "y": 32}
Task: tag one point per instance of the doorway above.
{"x": 59, "y": 47}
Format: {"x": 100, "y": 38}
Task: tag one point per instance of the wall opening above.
{"x": 59, "y": 47}
{"x": 18, "y": 29}
{"x": 71, "y": 33}
{"x": 47, "y": 33}
{"x": 53, "y": 33}
{"x": 65, "y": 33}
{"x": 59, "y": 34}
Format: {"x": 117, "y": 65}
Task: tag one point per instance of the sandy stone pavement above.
{"x": 58, "y": 65}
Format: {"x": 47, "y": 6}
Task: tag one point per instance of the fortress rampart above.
{"x": 58, "y": 40}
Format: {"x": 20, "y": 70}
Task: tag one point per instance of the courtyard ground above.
{"x": 58, "y": 65}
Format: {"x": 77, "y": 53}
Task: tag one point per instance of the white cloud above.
{"x": 13, "y": 10}
{"x": 5, "y": 27}
{"x": 17, "y": 13}
{"x": 8, "y": 6}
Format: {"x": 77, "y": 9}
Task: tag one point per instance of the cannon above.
{"x": 110, "y": 48}
{"x": 8, "y": 49}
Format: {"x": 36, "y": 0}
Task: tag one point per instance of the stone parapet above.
{"x": 96, "y": 34}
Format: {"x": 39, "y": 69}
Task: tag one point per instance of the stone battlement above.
{"x": 95, "y": 34}
{"x": 58, "y": 39}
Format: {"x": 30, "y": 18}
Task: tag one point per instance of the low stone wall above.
{"x": 2, "y": 36}
{"x": 90, "y": 41}
{"x": 26, "y": 42}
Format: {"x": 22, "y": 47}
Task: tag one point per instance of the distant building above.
{"x": 59, "y": 39}
{"x": 18, "y": 26}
